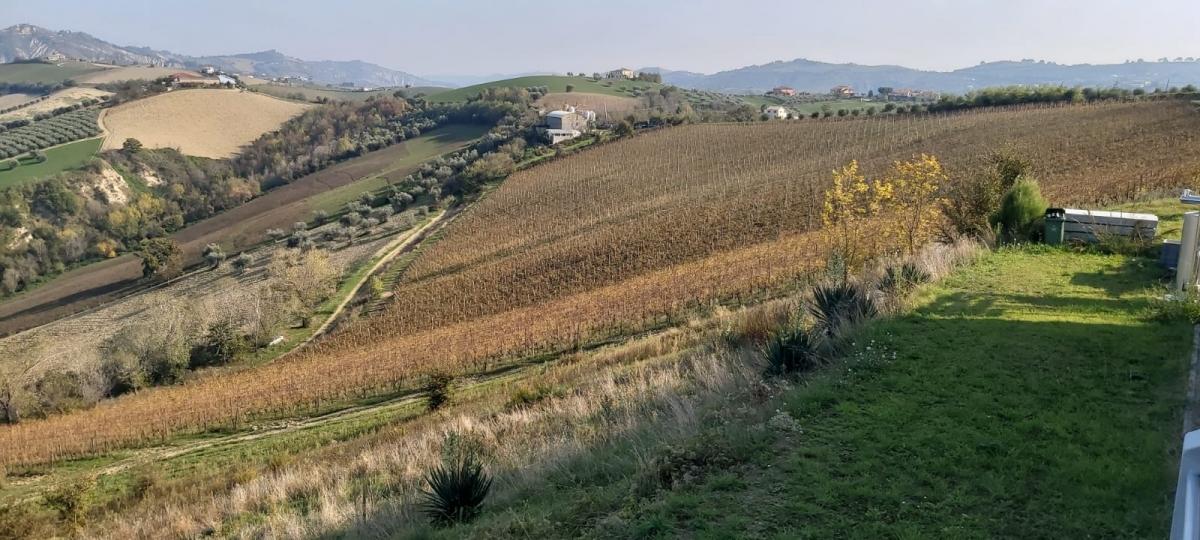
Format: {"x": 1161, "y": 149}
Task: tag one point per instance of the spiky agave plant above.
{"x": 839, "y": 306}
{"x": 456, "y": 491}
{"x": 902, "y": 278}
{"x": 794, "y": 351}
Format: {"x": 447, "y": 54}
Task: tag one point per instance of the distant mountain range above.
{"x": 813, "y": 76}
{"x": 25, "y": 41}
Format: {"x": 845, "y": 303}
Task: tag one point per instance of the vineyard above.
{"x": 60, "y": 129}
{"x": 628, "y": 235}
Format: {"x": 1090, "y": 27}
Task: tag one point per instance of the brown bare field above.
{"x": 246, "y": 225}
{"x": 127, "y": 73}
{"x": 600, "y": 103}
{"x": 12, "y": 100}
{"x": 201, "y": 122}
{"x": 615, "y": 239}
{"x": 62, "y": 98}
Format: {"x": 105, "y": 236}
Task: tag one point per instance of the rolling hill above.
{"x": 813, "y": 76}
{"x": 201, "y": 122}
{"x": 554, "y": 83}
{"x": 617, "y": 240}
{"x": 25, "y": 41}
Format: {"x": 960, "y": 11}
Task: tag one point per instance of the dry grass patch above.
{"x": 600, "y": 103}
{"x": 62, "y": 98}
{"x": 128, "y": 73}
{"x": 202, "y": 122}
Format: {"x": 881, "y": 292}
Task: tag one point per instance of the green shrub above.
{"x": 222, "y": 344}
{"x": 526, "y": 396}
{"x": 121, "y": 373}
{"x": 439, "y": 390}
{"x": 902, "y": 278}
{"x": 794, "y": 350}
{"x": 1176, "y": 307}
{"x": 835, "y": 309}
{"x": 71, "y": 500}
{"x": 456, "y": 492}
{"x": 1021, "y": 211}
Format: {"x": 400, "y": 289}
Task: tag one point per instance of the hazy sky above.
{"x": 509, "y": 36}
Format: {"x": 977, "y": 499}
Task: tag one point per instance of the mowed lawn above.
{"x": 1027, "y": 397}
{"x": 58, "y": 159}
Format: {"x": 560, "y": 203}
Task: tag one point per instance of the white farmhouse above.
{"x": 567, "y": 124}
{"x": 776, "y": 112}
{"x": 620, "y": 73}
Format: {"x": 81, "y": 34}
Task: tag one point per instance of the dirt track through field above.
{"x": 96, "y": 284}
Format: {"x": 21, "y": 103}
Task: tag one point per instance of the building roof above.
{"x": 559, "y": 114}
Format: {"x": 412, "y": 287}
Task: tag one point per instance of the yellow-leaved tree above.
{"x": 860, "y": 214}
{"x": 850, "y": 204}
{"x": 913, "y": 188}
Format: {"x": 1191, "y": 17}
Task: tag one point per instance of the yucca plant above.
{"x": 901, "y": 278}
{"x": 839, "y": 306}
{"x": 456, "y": 491}
{"x": 794, "y": 351}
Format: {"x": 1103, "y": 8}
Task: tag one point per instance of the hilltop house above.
{"x": 622, "y": 73}
{"x": 782, "y": 91}
{"x": 567, "y": 124}
{"x": 843, "y": 91}
{"x": 776, "y": 112}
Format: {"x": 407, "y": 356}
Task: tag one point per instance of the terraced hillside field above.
{"x": 202, "y": 122}
{"x": 614, "y": 239}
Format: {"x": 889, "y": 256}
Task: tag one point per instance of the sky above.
{"x": 484, "y": 37}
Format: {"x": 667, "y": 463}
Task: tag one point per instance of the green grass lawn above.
{"x": 420, "y": 149}
{"x": 58, "y": 159}
{"x": 554, "y": 83}
{"x": 1025, "y": 397}
{"x": 45, "y": 73}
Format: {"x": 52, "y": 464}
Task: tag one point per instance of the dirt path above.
{"x": 237, "y": 228}
{"x": 400, "y": 245}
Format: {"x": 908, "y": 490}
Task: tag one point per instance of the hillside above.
{"x": 819, "y": 77}
{"x": 24, "y": 41}
{"x": 554, "y": 84}
{"x": 600, "y": 244}
{"x": 201, "y": 122}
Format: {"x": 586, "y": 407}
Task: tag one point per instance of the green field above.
{"x": 311, "y": 93}
{"x": 1026, "y": 396}
{"x": 58, "y": 159}
{"x": 45, "y": 73}
{"x": 420, "y": 149}
{"x": 554, "y": 82}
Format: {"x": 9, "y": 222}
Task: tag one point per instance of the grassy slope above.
{"x": 420, "y": 149}
{"x": 45, "y": 73}
{"x": 58, "y": 159}
{"x": 1026, "y": 398}
{"x": 555, "y": 84}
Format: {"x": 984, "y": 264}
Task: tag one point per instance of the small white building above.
{"x": 567, "y": 124}
{"x": 621, "y": 73}
{"x": 776, "y": 112}
{"x": 556, "y": 136}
